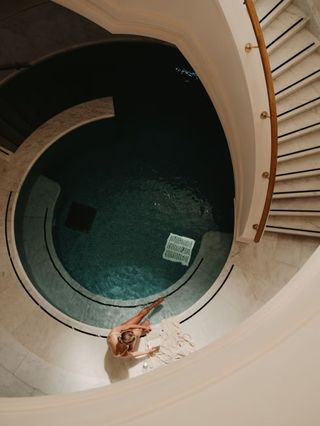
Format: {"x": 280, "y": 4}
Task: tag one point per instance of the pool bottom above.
{"x": 121, "y": 256}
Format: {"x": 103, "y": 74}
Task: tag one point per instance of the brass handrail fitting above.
{"x": 271, "y": 175}
{"x": 249, "y": 46}
{"x": 264, "y": 115}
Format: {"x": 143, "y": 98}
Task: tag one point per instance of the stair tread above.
{"x": 297, "y": 99}
{"x": 297, "y": 164}
{"x": 299, "y": 203}
{"x": 294, "y": 156}
{"x": 7, "y": 145}
{"x": 300, "y": 183}
{"x": 301, "y": 223}
{"x": 270, "y": 7}
{"x": 300, "y": 121}
{"x": 294, "y": 213}
{"x": 264, "y": 6}
{"x": 288, "y": 195}
{"x": 286, "y": 19}
{"x": 307, "y": 141}
{"x": 292, "y": 47}
{"x": 292, "y": 232}
{"x": 308, "y": 66}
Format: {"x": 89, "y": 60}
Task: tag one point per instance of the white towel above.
{"x": 174, "y": 344}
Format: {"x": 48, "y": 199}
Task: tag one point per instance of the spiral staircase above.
{"x": 295, "y": 64}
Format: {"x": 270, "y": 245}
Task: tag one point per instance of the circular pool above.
{"x": 122, "y": 210}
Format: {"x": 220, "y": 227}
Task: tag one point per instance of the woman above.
{"x": 123, "y": 339}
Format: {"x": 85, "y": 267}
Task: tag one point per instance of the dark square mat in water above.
{"x": 80, "y": 217}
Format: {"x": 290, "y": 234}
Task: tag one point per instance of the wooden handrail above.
{"x": 273, "y": 114}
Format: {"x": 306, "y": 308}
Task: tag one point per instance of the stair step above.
{"x": 304, "y": 145}
{"x": 300, "y": 225}
{"x": 296, "y": 204}
{"x": 305, "y": 154}
{"x": 5, "y": 154}
{"x": 292, "y": 52}
{"x": 297, "y": 174}
{"x": 300, "y": 101}
{"x": 300, "y": 184}
{"x": 9, "y": 133}
{"x": 310, "y": 162}
{"x": 299, "y": 75}
{"x": 268, "y": 10}
{"x": 298, "y": 132}
{"x": 284, "y": 26}
{"x": 6, "y": 145}
{"x": 291, "y": 231}
{"x": 306, "y": 122}
{"x": 294, "y": 212}
{"x": 281, "y": 195}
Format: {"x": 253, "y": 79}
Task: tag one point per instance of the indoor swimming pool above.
{"x": 96, "y": 213}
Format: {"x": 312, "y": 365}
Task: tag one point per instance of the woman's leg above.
{"x": 140, "y": 315}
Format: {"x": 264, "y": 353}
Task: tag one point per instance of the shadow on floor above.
{"x": 118, "y": 368}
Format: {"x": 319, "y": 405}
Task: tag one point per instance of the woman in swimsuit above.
{"x": 123, "y": 339}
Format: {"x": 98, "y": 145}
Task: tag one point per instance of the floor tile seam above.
{"x": 18, "y": 378}
{"x": 52, "y": 366}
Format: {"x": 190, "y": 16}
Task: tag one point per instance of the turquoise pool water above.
{"x": 141, "y": 196}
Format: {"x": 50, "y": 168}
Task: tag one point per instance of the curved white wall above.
{"x": 211, "y": 35}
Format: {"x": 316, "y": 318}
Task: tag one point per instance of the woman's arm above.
{"x": 138, "y": 354}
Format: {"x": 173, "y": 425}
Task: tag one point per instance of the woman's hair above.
{"x": 126, "y": 337}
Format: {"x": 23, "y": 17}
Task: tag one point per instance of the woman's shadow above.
{"x": 118, "y": 368}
